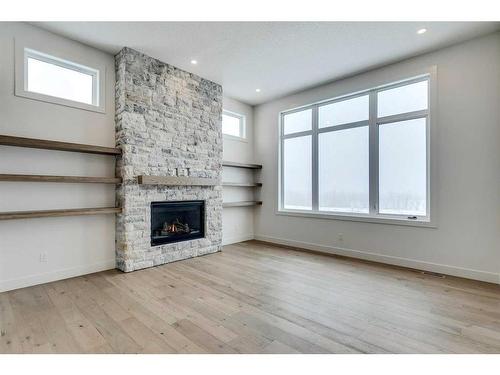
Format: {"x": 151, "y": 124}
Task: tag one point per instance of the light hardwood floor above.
{"x": 254, "y": 298}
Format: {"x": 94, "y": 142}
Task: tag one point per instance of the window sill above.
{"x": 59, "y": 101}
{"x": 359, "y": 218}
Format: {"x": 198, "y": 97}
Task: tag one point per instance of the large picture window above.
{"x": 362, "y": 155}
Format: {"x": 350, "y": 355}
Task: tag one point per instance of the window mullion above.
{"x": 373, "y": 154}
{"x": 315, "y": 160}
{"x": 403, "y": 117}
{"x": 349, "y": 125}
{"x": 281, "y": 203}
{"x": 95, "y": 89}
{"x": 297, "y": 135}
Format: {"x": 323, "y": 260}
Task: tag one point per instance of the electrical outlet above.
{"x": 340, "y": 237}
{"x": 43, "y": 257}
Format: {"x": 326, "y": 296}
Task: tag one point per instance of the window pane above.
{"x": 231, "y": 125}
{"x": 54, "y": 80}
{"x": 344, "y": 170}
{"x": 297, "y": 122}
{"x": 297, "y": 176}
{"x": 403, "y": 168}
{"x": 403, "y": 99}
{"x": 346, "y": 111}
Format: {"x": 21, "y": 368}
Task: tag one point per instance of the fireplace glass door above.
{"x": 177, "y": 221}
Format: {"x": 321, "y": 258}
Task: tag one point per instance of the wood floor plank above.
{"x": 110, "y": 330}
{"x": 294, "y": 335}
{"x": 9, "y": 342}
{"x": 384, "y": 311}
{"x": 159, "y": 324}
{"x": 198, "y": 317}
{"x": 201, "y": 337}
{"x": 146, "y": 338}
{"x": 82, "y": 330}
{"x": 254, "y": 298}
{"x": 60, "y": 338}
{"x": 276, "y": 347}
{"x": 259, "y": 302}
{"x": 249, "y": 344}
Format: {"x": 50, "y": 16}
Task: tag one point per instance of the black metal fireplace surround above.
{"x": 177, "y": 221}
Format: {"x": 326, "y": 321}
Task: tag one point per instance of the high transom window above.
{"x": 61, "y": 81}
{"x": 364, "y": 154}
{"x": 233, "y": 125}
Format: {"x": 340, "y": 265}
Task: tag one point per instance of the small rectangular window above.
{"x": 55, "y": 80}
{"x": 233, "y": 124}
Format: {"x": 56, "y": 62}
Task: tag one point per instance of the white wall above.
{"x": 467, "y": 240}
{"x": 74, "y": 245}
{"x": 238, "y": 222}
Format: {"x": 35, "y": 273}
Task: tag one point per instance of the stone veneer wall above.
{"x": 168, "y": 122}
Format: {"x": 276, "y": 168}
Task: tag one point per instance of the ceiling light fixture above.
{"x": 257, "y": 90}
{"x": 194, "y": 62}
{"x": 421, "y": 31}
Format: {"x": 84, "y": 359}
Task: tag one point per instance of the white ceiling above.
{"x": 278, "y": 57}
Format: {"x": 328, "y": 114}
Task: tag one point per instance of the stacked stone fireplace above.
{"x": 168, "y": 123}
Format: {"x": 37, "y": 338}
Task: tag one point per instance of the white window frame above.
{"x": 23, "y": 53}
{"x": 242, "y": 120}
{"x": 373, "y": 123}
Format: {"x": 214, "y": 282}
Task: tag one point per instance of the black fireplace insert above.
{"x": 177, "y": 221}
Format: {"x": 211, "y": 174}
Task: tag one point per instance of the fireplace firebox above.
{"x": 177, "y": 221}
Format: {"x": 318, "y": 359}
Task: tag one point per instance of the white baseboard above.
{"x": 66, "y": 273}
{"x": 238, "y": 238}
{"x": 388, "y": 259}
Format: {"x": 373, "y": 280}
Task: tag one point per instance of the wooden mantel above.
{"x": 177, "y": 181}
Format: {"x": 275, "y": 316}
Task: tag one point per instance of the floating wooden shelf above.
{"x": 241, "y": 204}
{"x": 64, "y": 179}
{"x": 176, "y": 181}
{"x": 56, "y": 213}
{"x": 7, "y": 140}
{"x": 241, "y": 165}
{"x": 242, "y": 184}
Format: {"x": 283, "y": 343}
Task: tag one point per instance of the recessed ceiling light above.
{"x": 421, "y": 31}
{"x": 194, "y": 62}
{"x": 257, "y": 90}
